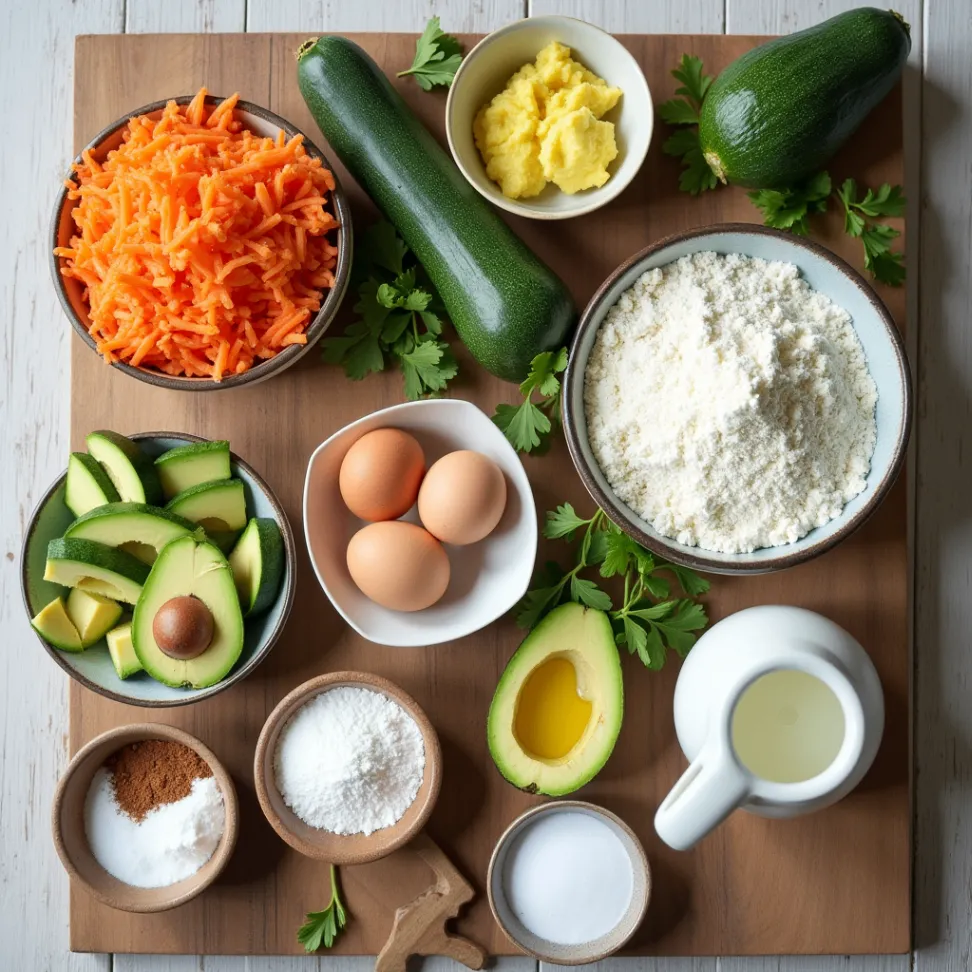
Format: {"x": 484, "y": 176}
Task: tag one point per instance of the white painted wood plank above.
{"x": 36, "y": 54}
{"x": 287, "y": 963}
{"x": 641, "y": 16}
{"x": 184, "y": 16}
{"x": 943, "y": 736}
{"x": 403, "y": 15}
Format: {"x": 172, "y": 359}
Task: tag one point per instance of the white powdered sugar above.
{"x": 729, "y": 404}
{"x": 350, "y": 761}
{"x": 169, "y": 844}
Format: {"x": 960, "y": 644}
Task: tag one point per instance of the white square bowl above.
{"x": 488, "y": 578}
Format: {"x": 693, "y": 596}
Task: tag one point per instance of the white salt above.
{"x": 169, "y": 844}
{"x": 568, "y": 878}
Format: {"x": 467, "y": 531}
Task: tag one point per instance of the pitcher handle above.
{"x": 705, "y": 794}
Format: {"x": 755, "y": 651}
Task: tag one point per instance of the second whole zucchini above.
{"x": 506, "y": 304}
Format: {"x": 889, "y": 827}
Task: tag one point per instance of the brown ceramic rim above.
{"x": 609, "y": 502}
{"x": 139, "y": 732}
{"x": 265, "y": 369}
{"x": 553, "y": 807}
{"x": 308, "y": 690}
{"x": 289, "y": 586}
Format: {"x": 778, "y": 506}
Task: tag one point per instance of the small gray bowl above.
{"x": 883, "y": 348}
{"x": 92, "y": 667}
{"x": 541, "y": 948}
{"x": 70, "y": 291}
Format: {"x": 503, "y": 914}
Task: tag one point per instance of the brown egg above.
{"x": 183, "y": 627}
{"x": 398, "y": 565}
{"x": 381, "y": 474}
{"x": 462, "y": 497}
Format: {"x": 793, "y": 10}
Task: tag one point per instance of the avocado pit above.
{"x": 183, "y": 627}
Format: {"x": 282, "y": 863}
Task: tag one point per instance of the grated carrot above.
{"x": 203, "y": 247}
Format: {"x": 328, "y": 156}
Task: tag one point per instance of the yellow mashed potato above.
{"x": 545, "y": 126}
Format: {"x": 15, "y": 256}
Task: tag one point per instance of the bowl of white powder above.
{"x": 347, "y": 768}
{"x": 738, "y": 399}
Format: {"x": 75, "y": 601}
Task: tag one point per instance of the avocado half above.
{"x": 583, "y": 637}
{"x": 187, "y": 566}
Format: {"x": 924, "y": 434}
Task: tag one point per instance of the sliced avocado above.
{"x": 88, "y": 485}
{"x": 190, "y": 567}
{"x": 192, "y": 465}
{"x": 122, "y": 651}
{"x": 55, "y": 627}
{"x": 136, "y": 528}
{"x": 92, "y": 614}
{"x": 94, "y": 567}
{"x": 257, "y": 561}
{"x": 132, "y": 472}
{"x": 217, "y": 507}
{"x": 557, "y": 710}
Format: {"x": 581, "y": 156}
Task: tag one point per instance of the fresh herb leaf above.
{"x": 648, "y": 622}
{"x": 883, "y": 263}
{"x": 323, "y": 927}
{"x": 790, "y": 209}
{"x": 399, "y": 319}
{"x": 562, "y": 522}
{"x": 696, "y": 176}
{"x": 528, "y": 426}
{"x": 585, "y": 591}
{"x": 437, "y": 57}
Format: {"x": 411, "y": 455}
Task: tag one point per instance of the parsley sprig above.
{"x": 649, "y": 620}
{"x": 790, "y": 209}
{"x": 528, "y": 426}
{"x": 323, "y": 927}
{"x": 400, "y": 318}
{"x": 684, "y": 110}
{"x": 437, "y": 57}
{"x": 884, "y": 263}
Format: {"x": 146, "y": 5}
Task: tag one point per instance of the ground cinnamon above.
{"x": 148, "y": 774}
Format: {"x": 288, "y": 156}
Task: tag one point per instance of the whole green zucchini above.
{"x": 506, "y": 304}
{"x": 781, "y": 111}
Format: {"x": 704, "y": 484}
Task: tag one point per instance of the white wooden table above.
{"x": 36, "y": 56}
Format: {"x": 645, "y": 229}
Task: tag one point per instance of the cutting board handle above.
{"x": 420, "y": 926}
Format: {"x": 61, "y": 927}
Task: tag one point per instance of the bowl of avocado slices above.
{"x": 159, "y": 569}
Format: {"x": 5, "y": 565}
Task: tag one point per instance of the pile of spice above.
{"x": 350, "y": 761}
{"x": 154, "y": 813}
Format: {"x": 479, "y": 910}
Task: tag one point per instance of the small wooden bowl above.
{"x": 322, "y": 844}
{"x": 67, "y": 822}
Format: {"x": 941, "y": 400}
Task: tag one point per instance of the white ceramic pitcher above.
{"x": 726, "y": 661}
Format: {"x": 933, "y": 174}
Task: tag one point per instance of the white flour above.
{"x": 169, "y": 844}
{"x": 729, "y": 404}
{"x": 350, "y": 761}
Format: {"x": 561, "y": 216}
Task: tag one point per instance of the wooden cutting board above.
{"x": 835, "y": 882}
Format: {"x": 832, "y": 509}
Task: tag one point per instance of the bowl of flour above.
{"x": 347, "y": 768}
{"x": 738, "y": 399}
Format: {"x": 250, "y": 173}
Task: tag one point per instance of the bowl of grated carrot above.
{"x": 201, "y": 243}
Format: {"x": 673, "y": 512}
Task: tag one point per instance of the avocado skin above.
{"x": 505, "y": 303}
{"x": 780, "y": 112}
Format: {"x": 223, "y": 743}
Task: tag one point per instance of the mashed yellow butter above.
{"x": 545, "y": 126}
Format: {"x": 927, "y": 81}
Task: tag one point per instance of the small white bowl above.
{"x": 490, "y": 64}
{"x": 488, "y": 577}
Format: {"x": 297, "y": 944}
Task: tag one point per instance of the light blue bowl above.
{"x": 886, "y": 360}
{"x": 92, "y": 667}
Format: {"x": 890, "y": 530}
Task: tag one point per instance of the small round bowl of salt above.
{"x": 569, "y": 882}
{"x": 145, "y": 818}
{"x": 347, "y": 768}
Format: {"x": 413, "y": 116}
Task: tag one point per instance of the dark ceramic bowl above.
{"x": 70, "y": 291}
{"x": 886, "y": 360}
{"x": 92, "y": 667}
